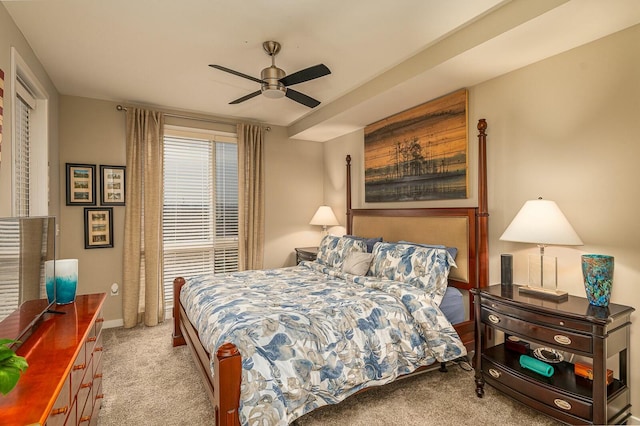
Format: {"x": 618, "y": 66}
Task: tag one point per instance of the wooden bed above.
{"x": 462, "y": 227}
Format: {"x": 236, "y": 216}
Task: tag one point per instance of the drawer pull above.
{"x": 495, "y": 373}
{"x": 62, "y": 410}
{"x": 98, "y": 376}
{"x": 561, "y": 403}
{"x": 84, "y": 419}
{"x": 86, "y": 385}
{"x": 79, "y": 367}
{"x": 563, "y": 340}
{"x": 99, "y": 396}
{"x": 494, "y": 318}
{"x": 92, "y": 339}
{"x": 99, "y": 319}
{"x": 98, "y": 349}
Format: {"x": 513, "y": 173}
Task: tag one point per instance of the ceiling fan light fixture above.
{"x": 274, "y": 91}
{"x": 271, "y": 86}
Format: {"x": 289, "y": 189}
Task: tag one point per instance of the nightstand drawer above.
{"x": 540, "y": 318}
{"x": 558, "y": 338}
{"x": 535, "y": 390}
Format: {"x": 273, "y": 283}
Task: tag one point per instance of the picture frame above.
{"x": 112, "y": 185}
{"x": 81, "y": 184}
{"x": 98, "y": 227}
{"x": 420, "y": 154}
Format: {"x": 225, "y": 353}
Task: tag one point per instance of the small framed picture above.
{"x": 81, "y": 184}
{"x": 112, "y": 185}
{"x": 98, "y": 227}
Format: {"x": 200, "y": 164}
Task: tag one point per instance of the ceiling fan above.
{"x": 275, "y": 82}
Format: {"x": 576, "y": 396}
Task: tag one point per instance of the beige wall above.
{"x": 565, "y": 129}
{"x": 294, "y": 190}
{"x": 93, "y": 132}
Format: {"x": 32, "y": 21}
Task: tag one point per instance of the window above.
{"x": 25, "y": 103}
{"x": 30, "y": 142}
{"x": 200, "y": 208}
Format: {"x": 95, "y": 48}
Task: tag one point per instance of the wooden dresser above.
{"x": 63, "y": 384}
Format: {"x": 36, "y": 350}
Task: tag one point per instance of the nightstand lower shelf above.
{"x": 567, "y": 395}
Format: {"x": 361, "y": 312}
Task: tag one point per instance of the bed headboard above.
{"x": 464, "y": 228}
{"x": 452, "y": 227}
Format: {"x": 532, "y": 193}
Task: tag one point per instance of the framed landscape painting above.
{"x": 419, "y": 154}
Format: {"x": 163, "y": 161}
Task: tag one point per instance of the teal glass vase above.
{"x": 597, "y": 270}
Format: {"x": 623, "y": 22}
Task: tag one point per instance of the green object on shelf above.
{"x": 536, "y": 366}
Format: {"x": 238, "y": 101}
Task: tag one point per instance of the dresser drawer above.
{"x": 78, "y": 370}
{"x": 532, "y": 389}
{"x": 553, "y": 336}
{"x": 62, "y": 407}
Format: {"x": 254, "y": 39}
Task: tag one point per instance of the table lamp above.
{"x": 541, "y": 222}
{"x": 325, "y": 217}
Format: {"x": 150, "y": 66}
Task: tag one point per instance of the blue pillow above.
{"x": 452, "y": 250}
{"x": 369, "y": 241}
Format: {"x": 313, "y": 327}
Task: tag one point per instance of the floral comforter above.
{"x": 312, "y": 335}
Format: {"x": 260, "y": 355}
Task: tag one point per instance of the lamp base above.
{"x": 544, "y": 293}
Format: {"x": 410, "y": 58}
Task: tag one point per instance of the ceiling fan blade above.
{"x": 239, "y": 74}
{"x": 306, "y": 74}
{"x": 246, "y": 97}
{"x": 302, "y": 98}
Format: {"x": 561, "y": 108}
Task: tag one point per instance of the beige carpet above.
{"x": 148, "y": 382}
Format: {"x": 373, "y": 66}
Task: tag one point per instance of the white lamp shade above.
{"x": 541, "y": 222}
{"x": 324, "y": 216}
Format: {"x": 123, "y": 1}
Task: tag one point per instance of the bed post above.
{"x": 349, "y": 217}
{"x": 227, "y": 381}
{"x": 483, "y": 211}
{"x": 483, "y": 246}
{"x": 178, "y": 338}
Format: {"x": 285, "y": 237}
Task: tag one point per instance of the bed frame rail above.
{"x": 224, "y": 388}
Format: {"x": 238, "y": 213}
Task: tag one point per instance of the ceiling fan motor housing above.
{"x": 271, "y": 85}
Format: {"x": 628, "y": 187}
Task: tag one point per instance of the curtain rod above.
{"x": 208, "y": 120}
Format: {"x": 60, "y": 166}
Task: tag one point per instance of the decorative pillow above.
{"x": 369, "y": 241}
{"x": 334, "y": 250}
{"x": 357, "y": 263}
{"x": 423, "y": 267}
{"x": 453, "y": 251}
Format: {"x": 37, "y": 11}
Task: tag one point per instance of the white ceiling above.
{"x": 385, "y": 56}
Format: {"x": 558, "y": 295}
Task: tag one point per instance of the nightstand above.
{"x": 306, "y": 253}
{"x": 573, "y": 327}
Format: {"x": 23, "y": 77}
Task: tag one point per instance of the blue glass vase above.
{"x": 597, "y": 270}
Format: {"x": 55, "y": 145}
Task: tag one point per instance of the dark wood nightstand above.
{"x": 573, "y": 327}
{"x": 306, "y": 253}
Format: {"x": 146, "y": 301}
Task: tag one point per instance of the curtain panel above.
{"x": 250, "y": 196}
{"x": 142, "y": 290}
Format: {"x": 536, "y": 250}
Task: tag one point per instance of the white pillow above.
{"x": 357, "y": 263}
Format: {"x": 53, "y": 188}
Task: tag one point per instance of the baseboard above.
{"x": 113, "y": 323}
{"x": 120, "y": 322}
{"x": 633, "y": 420}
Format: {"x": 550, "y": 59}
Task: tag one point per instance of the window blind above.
{"x": 22, "y": 150}
{"x": 9, "y": 265}
{"x": 200, "y": 208}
